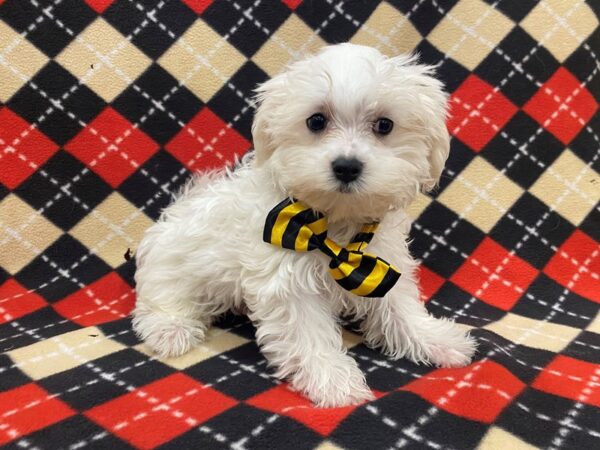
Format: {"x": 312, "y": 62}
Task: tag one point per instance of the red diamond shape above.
{"x": 478, "y": 394}
{"x": 544, "y": 106}
{"x": 109, "y": 298}
{"x": 99, "y": 5}
{"x": 160, "y": 411}
{"x": 569, "y": 378}
{"x": 430, "y": 282}
{"x": 23, "y": 149}
{"x": 207, "y": 143}
{"x": 292, "y": 4}
{"x": 17, "y": 301}
{"x": 198, "y": 6}
{"x": 477, "y": 126}
{"x": 114, "y": 161}
{"x": 27, "y": 409}
{"x": 281, "y": 400}
{"x": 580, "y": 247}
{"x": 476, "y": 275}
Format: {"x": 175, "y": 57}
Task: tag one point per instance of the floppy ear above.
{"x": 434, "y": 101}
{"x": 439, "y": 149}
{"x": 266, "y": 98}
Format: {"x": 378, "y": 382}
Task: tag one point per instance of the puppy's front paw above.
{"x": 456, "y": 351}
{"x": 335, "y": 383}
{"x": 166, "y": 336}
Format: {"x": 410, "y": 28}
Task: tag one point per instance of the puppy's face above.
{"x": 351, "y": 132}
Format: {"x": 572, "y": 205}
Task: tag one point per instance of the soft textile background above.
{"x": 106, "y": 107}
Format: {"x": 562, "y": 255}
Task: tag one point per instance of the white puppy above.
{"x": 354, "y": 135}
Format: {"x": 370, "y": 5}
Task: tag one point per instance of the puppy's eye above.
{"x": 316, "y": 122}
{"x": 383, "y": 126}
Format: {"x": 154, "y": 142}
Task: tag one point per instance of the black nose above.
{"x": 347, "y": 169}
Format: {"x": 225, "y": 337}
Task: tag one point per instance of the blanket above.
{"x": 107, "y": 107}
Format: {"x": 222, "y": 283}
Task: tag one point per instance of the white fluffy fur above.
{"x": 206, "y": 256}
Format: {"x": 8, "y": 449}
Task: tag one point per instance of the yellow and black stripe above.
{"x": 294, "y": 226}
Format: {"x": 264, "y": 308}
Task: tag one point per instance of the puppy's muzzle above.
{"x": 346, "y": 169}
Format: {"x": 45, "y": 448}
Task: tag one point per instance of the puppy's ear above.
{"x": 439, "y": 146}
{"x": 434, "y": 109}
{"x": 266, "y": 100}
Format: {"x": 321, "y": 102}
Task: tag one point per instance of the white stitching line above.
{"x": 400, "y": 23}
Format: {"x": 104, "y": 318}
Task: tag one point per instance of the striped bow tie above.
{"x": 295, "y": 226}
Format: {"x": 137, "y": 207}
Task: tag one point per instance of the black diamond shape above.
{"x": 584, "y": 347}
{"x": 514, "y": 9}
{"x": 459, "y": 158}
{"x": 128, "y": 365}
{"x": 527, "y": 213}
{"x": 33, "y": 327}
{"x": 522, "y": 361}
{"x": 450, "y": 301}
{"x": 168, "y": 109}
{"x": 336, "y": 22}
{"x": 249, "y": 26}
{"x": 78, "y": 190}
{"x": 72, "y": 431}
{"x": 520, "y": 78}
{"x": 404, "y": 408}
{"x": 56, "y": 83}
{"x": 127, "y": 270}
{"x": 151, "y": 198}
{"x": 3, "y": 275}
{"x": 120, "y": 331}
{"x": 448, "y": 70}
{"x": 3, "y": 191}
{"x": 535, "y": 418}
{"x": 582, "y": 63}
{"x": 11, "y": 376}
{"x": 384, "y": 374}
{"x": 541, "y": 302}
{"x": 46, "y": 33}
{"x": 237, "y": 324}
{"x": 591, "y": 224}
{"x": 153, "y": 28}
{"x": 424, "y": 15}
{"x": 231, "y": 107}
{"x": 70, "y": 255}
{"x": 439, "y": 221}
{"x": 236, "y": 425}
{"x": 240, "y": 373}
{"x": 585, "y": 145}
{"x": 514, "y": 140}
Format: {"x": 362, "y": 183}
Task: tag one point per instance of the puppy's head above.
{"x": 351, "y": 132}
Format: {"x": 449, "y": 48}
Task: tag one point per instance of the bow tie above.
{"x": 295, "y": 226}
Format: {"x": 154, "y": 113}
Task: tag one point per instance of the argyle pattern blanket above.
{"x": 106, "y": 107}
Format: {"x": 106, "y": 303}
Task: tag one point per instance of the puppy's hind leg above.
{"x": 170, "y": 316}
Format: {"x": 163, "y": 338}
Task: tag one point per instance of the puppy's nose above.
{"x": 346, "y": 169}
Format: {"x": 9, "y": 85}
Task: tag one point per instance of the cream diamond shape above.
{"x": 291, "y": 41}
{"x": 114, "y": 226}
{"x": 63, "y": 352}
{"x": 534, "y": 333}
{"x": 469, "y": 196}
{"x": 202, "y": 60}
{"x": 470, "y": 31}
{"x": 104, "y": 59}
{"x": 24, "y": 233}
{"x": 577, "y": 200}
{"x": 19, "y": 61}
{"x": 577, "y": 22}
{"x": 389, "y": 31}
